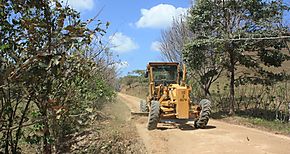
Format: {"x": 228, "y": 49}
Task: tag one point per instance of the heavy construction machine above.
{"x": 169, "y": 97}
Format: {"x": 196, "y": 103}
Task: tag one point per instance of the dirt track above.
{"x": 218, "y": 137}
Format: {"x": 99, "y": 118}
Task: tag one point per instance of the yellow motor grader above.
{"x": 169, "y": 97}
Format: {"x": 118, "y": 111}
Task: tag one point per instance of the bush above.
{"x": 49, "y": 83}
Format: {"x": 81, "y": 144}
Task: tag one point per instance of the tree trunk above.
{"x": 232, "y": 84}
{"x": 46, "y": 140}
{"x": 18, "y": 133}
{"x": 206, "y": 91}
{"x": 8, "y": 139}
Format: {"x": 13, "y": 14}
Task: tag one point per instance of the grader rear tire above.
{"x": 143, "y": 106}
{"x": 204, "y": 114}
{"x": 153, "y": 118}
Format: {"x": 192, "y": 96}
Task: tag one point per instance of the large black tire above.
{"x": 202, "y": 120}
{"x": 153, "y": 118}
{"x": 143, "y": 106}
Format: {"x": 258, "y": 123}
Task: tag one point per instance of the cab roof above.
{"x": 163, "y": 63}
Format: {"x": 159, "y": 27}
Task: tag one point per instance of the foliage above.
{"x": 136, "y": 76}
{"x": 134, "y": 84}
{"x": 49, "y": 82}
{"x": 239, "y": 33}
{"x": 204, "y": 60}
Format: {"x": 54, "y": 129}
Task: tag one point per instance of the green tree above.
{"x": 49, "y": 80}
{"x": 246, "y": 33}
{"x": 204, "y": 61}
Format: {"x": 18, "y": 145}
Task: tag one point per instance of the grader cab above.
{"x": 169, "y": 96}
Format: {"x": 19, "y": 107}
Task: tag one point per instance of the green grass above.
{"x": 276, "y": 126}
{"x": 273, "y": 126}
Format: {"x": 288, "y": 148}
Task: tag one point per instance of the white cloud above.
{"x": 80, "y": 5}
{"x": 121, "y": 65}
{"x": 159, "y": 16}
{"x": 122, "y": 43}
{"x": 155, "y": 46}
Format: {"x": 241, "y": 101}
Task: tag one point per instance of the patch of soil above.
{"x": 116, "y": 134}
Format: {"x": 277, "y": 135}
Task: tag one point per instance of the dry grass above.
{"x": 117, "y": 134}
{"x": 136, "y": 89}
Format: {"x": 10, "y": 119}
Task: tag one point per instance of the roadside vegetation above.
{"x": 237, "y": 55}
{"x": 113, "y": 133}
{"x": 134, "y": 84}
{"x": 56, "y": 76}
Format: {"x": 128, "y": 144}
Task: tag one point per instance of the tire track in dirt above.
{"x": 219, "y": 137}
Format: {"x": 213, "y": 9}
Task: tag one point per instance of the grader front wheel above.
{"x": 202, "y": 121}
{"x": 143, "y": 106}
{"x": 153, "y": 118}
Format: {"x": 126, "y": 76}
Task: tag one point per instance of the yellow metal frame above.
{"x": 174, "y": 98}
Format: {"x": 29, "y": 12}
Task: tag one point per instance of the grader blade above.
{"x": 139, "y": 113}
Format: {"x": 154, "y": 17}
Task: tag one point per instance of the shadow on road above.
{"x": 186, "y": 127}
{"x": 209, "y": 127}
{"x": 183, "y": 127}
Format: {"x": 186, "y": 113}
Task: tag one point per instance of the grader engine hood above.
{"x": 180, "y": 96}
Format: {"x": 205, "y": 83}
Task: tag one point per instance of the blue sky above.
{"x": 135, "y": 26}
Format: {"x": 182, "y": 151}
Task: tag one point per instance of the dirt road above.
{"x": 219, "y": 137}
